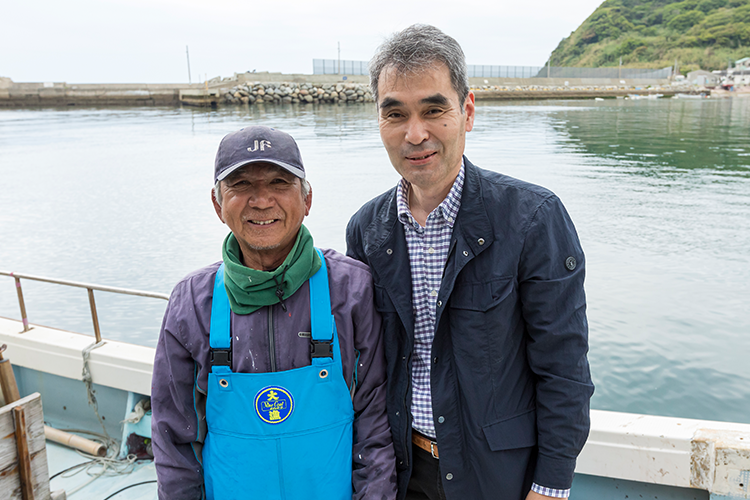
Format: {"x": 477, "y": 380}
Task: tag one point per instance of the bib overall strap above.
{"x": 220, "y": 336}
{"x": 321, "y": 319}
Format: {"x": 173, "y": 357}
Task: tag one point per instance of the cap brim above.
{"x": 289, "y": 168}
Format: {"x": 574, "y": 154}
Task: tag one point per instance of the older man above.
{"x": 269, "y": 377}
{"x": 479, "y": 278}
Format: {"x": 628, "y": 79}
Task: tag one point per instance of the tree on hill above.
{"x": 654, "y": 33}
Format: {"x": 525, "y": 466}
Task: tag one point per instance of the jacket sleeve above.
{"x": 374, "y": 462}
{"x": 551, "y": 275}
{"x": 174, "y": 424}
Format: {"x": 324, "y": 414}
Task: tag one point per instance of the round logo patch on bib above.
{"x": 274, "y": 404}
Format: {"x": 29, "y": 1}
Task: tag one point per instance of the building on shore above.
{"x": 703, "y": 78}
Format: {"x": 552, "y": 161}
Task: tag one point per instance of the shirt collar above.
{"x": 448, "y": 208}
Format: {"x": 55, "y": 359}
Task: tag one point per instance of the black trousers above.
{"x": 425, "y": 483}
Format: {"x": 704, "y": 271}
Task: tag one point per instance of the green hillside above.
{"x": 653, "y": 33}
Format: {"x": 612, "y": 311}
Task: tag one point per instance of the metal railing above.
{"x": 89, "y": 288}
{"x": 490, "y": 71}
{"x": 610, "y": 72}
{"x": 339, "y": 67}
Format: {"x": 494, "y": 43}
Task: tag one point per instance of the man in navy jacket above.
{"x": 479, "y": 281}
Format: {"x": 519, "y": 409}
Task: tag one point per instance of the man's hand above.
{"x": 536, "y": 496}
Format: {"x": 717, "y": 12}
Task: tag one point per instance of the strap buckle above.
{"x": 433, "y": 448}
{"x": 221, "y": 357}
{"x": 321, "y": 348}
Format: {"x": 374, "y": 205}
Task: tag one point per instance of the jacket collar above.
{"x": 384, "y": 245}
{"x": 473, "y": 224}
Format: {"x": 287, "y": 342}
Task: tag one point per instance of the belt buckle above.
{"x": 433, "y": 444}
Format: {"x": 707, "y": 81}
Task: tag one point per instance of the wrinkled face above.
{"x": 423, "y": 125}
{"x": 263, "y": 206}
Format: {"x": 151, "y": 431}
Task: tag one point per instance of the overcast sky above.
{"x": 109, "y": 41}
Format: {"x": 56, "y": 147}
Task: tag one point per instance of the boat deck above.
{"x": 96, "y": 482}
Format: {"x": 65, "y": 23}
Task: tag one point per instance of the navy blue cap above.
{"x": 257, "y": 144}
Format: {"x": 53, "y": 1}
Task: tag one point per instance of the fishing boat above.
{"x": 702, "y": 95}
{"x": 99, "y": 390}
{"x": 636, "y": 97}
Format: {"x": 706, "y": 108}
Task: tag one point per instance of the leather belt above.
{"x": 425, "y": 443}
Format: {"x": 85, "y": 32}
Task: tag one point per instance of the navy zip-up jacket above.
{"x": 510, "y": 380}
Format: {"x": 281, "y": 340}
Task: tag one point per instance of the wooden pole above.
{"x": 24, "y": 458}
{"x": 8, "y": 379}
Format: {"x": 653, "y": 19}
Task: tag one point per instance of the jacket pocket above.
{"x": 481, "y": 296}
{"x": 514, "y": 432}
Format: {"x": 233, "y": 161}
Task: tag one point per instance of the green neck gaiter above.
{"x": 249, "y": 289}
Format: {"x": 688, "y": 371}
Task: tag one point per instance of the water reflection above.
{"x": 658, "y": 191}
{"x": 674, "y": 134}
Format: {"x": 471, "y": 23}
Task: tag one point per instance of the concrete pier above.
{"x": 16, "y": 95}
{"x": 213, "y": 92}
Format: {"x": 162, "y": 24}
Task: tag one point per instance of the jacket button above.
{"x": 480, "y": 241}
{"x": 397, "y": 414}
{"x": 570, "y": 263}
{"x": 449, "y": 476}
{"x": 389, "y": 251}
{"x": 440, "y": 303}
{"x": 434, "y": 360}
{"x": 466, "y": 254}
{"x": 441, "y": 419}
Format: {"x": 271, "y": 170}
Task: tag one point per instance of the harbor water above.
{"x": 659, "y": 191}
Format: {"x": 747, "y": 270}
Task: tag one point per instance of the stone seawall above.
{"x": 292, "y": 93}
{"x": 314, "y": 93}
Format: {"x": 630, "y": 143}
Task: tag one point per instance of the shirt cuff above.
{"x": 550, "y": 492}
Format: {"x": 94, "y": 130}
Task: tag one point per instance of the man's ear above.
{"x": 308, "y": 202}
{"x": 469, "y": 109}
{"x": 217, "y": 207}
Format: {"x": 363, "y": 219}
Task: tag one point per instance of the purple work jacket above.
{"x": 269, "y": 338}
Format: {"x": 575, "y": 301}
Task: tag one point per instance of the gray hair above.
{"x": 305, "y": 185}
{"x": 417, "y": 48}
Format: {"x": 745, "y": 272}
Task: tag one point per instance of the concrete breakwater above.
{"x": 303, "y": 93}
{"x": 236, "y": 91}
{"x": 32, "y": 94}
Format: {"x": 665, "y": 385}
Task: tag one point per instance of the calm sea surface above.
{"x": 659, "y": 192}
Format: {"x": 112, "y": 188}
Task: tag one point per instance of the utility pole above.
{"x": 187, "y": 52}
{"x": 549, "y": 61}
{"x": 339, "y": 57}
{"x": 619, "y": 71}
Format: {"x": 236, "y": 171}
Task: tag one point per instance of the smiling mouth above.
{"x": 417, "y": 158}
{"x": 262, "y": 222}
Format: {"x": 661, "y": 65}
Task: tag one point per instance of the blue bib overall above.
{"x": 279, "y": 435}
